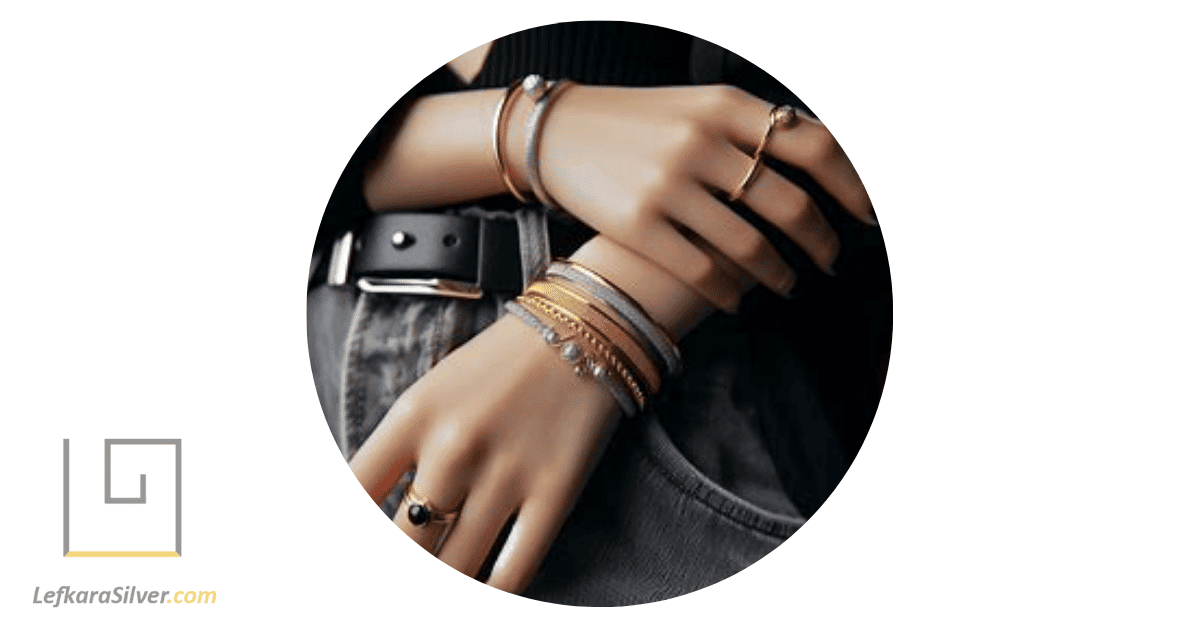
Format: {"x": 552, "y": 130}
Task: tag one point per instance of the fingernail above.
{"x": 793, "y": 293}
{"x": 790, "y": 285}
{"x": 836, "y": 249}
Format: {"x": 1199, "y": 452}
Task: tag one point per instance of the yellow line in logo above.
{"x": 74, "y": 554}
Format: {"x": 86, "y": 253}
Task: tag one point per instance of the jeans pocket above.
{"x": 649, "y": 526}
{"x": 704, "y": 493}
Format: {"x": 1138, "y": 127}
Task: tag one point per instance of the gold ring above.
{"x": 785, "y": 115}
{"x": 420, "y": 511}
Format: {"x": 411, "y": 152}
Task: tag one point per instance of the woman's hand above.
{"x": 647, "y": 167}
{"x": 501, "y": 427}
{"x": 650, "y": 168}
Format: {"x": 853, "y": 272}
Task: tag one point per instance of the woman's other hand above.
{"x": 651, "y": 168}
{"x": 502, "y": 427}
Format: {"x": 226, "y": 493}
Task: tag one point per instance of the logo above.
{"x": 123, "y": 517}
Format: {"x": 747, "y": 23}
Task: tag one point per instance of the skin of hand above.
{"x": 487, "y": 430}
{"x": 649, "y": 167}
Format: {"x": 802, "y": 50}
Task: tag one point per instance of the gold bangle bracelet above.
{"x": 604, "y": 308}
{"x": 625, "y": 377}
{"x": 600, "y": 372}
{"x": 567, "y": 331}
{"x": 625, "y": 347}
{"x": 605, "y": 334}
{"x": 500, "y": 139}
{"x": 621, "y": 293}
{"x": 543, "y": 308}
{"x": 607, "y": 321}
{"x": 645, "y": 329}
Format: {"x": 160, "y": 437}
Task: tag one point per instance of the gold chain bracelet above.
{"x": 579, "y": 328}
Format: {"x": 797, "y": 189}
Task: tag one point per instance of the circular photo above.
{"x": 599, "y": 313}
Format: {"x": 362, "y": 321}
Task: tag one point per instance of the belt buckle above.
{"x": 339, "y": 273}
{"x": 432, "y": 287}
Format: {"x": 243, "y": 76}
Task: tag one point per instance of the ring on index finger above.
{"x": 783, "y": 115}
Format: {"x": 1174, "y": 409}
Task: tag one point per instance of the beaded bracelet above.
{"x": 574, "y": 354}
{"x": 624, "y": 346}
{"x": 576, "y": 328}
{"x": 648, "y": 332}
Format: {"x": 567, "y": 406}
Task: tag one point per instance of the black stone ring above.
{"x": 421, "y": 511}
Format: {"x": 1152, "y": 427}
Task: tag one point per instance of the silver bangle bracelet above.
{"x": 543, "y": 94}
{"x": 499, "y": 128}
{"x": 666, "y": 353}
{"x": 627, "y": 404}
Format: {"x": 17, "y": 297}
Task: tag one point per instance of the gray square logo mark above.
{"x": 109, "y": 499}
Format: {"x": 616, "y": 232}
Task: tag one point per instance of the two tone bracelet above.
{"x": 626, "y": 310}
{"x": 542, "y": 93}
{"x": 574, "y": 351}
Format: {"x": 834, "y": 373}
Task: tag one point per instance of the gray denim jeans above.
{"x": 685, "y": 495}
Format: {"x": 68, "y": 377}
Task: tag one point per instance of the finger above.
{"x": 442, "y": 479}
{"x": 779, "y": 201}
{"x": 733, "y": 237}
{"x": 489, "y": 506}
{"x": 806, "y": 144}
{"x": 668, "y": 248}
{"x": 390, "y": 451}
{"x": 536, "y": 527}
{"x": 431, "y": 528}
{"x": 787, "y": 206}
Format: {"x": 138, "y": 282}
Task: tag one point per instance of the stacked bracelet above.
{"x": 542, "y": 93}
{"x": 637, "y": 321}
{"x": 600, "y": 331}
{"x": 575, "y": 353}
{"x": 625, "y": 346}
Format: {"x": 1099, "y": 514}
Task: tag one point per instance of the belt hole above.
{"x": 450, "y": 240}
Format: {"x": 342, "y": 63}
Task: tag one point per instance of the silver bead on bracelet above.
{"x": 571, "y": 352}
{"x": 542, "y": 92}
{"x": 666, "y": 353}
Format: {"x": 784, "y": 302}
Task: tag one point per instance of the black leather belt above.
{"x": 431, "y": 254}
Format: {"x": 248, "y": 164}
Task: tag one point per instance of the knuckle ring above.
{"x": 781, "y": 115}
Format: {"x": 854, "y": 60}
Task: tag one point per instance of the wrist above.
{"x": 671, "y": 303}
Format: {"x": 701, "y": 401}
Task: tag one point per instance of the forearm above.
{"x": 441, "y": 154}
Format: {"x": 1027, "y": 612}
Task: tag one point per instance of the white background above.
{"x": 1032, "y": 165}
